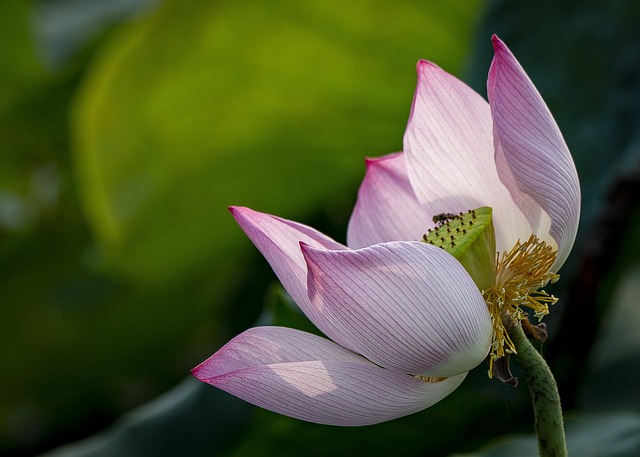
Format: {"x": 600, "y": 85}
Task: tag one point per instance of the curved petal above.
{"x": 310, "y": 378}
{"x": 279, "y": 242}
{"x": 450, "y": 156}
{"x": 387, "y": 208}
{"x": 406, "y": 306}
{"x": 268, "y": 345}
{"x": 530, "y": 146}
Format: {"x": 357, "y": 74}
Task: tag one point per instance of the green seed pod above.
{"x": 470, "y": 238}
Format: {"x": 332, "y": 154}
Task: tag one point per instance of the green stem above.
{"x": 544, "y": 394}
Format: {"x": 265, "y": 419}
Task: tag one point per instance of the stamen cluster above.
{"x": 520, "y": 276}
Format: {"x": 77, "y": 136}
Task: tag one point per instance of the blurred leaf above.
{"x": 191, "y": 419}
{"x": 19, "y": 65}
{"x": 20, "y": 75}
{"x": 612, "y": 380}
{"x": 611, "y": 435}
{"x": 64, "y": 27}
{"x": 41, "y": 234}
{"x": 273, "y": 105}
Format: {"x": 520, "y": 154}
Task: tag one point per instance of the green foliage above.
{"x": 208, "y": 104}
{"x": 190, "y": 419}
{"x": 613, "y": 435}
{"x": 20, "y": 66}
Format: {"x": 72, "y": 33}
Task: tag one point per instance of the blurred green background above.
{"x": 127, "y": 127}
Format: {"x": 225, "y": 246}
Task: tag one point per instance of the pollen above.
{"x": 431, "y": 379}
{"x": 520, "y": 276}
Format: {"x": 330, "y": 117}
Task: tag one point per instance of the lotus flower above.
{"x": 406, "y": 321}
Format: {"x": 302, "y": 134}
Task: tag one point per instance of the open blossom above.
{"x": 406, "y": 321}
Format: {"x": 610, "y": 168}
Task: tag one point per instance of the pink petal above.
{"x": 268, "y": 345}
{"x": 532, "y": 155}
{"x": 279, "y": 241}
{"x": 406, "y": 306}
{"x": 387, "y": 208}
{"x": 450, "y": 157}
{"x": 310, "y": 378}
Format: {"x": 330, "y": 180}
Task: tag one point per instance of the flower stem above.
{"x": 544, "y": 394}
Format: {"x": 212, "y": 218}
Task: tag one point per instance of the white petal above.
{"x": 406, "y": 306}
{"x": 309, "y": 378}
{"x": 450, "y": 156}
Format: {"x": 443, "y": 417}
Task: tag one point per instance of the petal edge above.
{"x": 334, "y": 393}
{"x": 406, "y": 306}
{"x": 532, "y": 147}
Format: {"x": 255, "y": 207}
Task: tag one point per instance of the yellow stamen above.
{"x": 519, "y": 275}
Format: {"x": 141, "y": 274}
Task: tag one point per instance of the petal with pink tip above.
{"x": 279, "y": 241}
{"x": 450, "y": 157}
{"x": 310, "y": 378}
{"x": 531, "y": 148}
{"x": 406, "y": 306}
{"x": 268, "y": 345}
{"x": 387, "y": 208}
